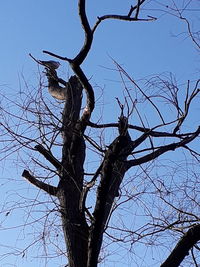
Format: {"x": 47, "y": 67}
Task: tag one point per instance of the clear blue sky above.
{"x": 143, "y": 48}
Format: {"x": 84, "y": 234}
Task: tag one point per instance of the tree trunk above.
{"x": 74, "y": 223}
{"x": 112, "y": 173}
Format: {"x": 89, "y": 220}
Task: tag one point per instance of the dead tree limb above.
{"x": 52, "y": 190}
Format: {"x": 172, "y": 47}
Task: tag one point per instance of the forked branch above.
{"x": 124, "y": 17}
{"x": 80, "y": 57}
{"x": 162, "y": 150}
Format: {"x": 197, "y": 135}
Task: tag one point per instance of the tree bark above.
{"x": 183, "y": 246}
{"x": 74, "y": 223}
{"x": 112, "y": 173}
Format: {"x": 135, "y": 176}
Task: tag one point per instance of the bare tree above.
{"x": 66, "y": 129}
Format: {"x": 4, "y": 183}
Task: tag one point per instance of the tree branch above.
{"x": 162, "y": 150}
{"x": 138, "y": 128}
{"x": 78, "y": 60}
{"x": 188, "y": 101}
{"x": 112, "y": 172}
{"x": 136, "y": 7}
{"x": 89, "y": 92}
{"x": 51, "y": 190}
{"x": 85, "y": 83}
{"x": 87, "y": 187}
{"x": 49, "y": 156}
{"x": 119, "y": 17}
{"x": 57, "y": 56}
{"x": 190, "y": 32}
{"x": 190, "y": 238}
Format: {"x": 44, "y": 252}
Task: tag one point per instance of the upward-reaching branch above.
{"x": 80, "y": 57}
{"x": 78, "y": 60}
{"x": 183, "y": 246}
{"x": 112, "y": 174}
{"x": 89, "y": 94}
{"x": 49, "y": 156}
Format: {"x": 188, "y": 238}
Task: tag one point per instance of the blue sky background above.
{"x": 143, "y": 49}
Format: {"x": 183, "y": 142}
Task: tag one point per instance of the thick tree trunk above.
{"x": 74, "y": 223}
{"x": 112, "y": 173}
